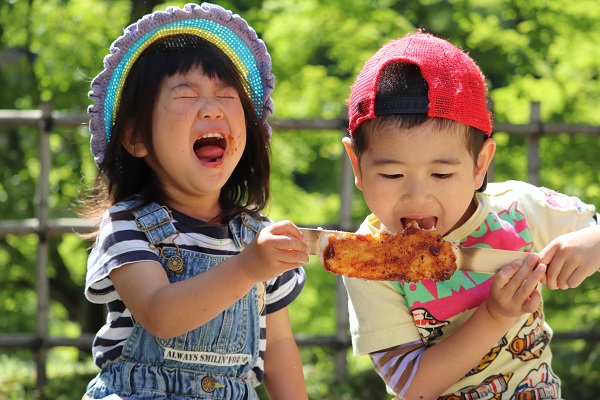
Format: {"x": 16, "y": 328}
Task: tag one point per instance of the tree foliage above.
{"x": 539, "y": 50}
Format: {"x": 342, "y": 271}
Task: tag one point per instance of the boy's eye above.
{"x": 442, "y": 176}
{"x": 392, "y": 176}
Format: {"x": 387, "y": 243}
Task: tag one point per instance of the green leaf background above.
{"x": 539, "y": 50}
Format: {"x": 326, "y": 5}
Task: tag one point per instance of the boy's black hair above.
{"x": 248, "y": 187}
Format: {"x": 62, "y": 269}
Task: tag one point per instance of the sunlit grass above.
{"x": 17, "y": 376}
{"x": 67, "y": 375}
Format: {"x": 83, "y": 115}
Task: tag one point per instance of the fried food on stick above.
{"x": 411, "y": 256}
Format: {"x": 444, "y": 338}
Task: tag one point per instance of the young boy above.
{"x": 420, "y": 148}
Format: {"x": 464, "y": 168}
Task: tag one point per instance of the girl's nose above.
{"x": 210, "y": 109}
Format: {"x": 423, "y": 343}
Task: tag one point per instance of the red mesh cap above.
{"x": 457, "y": 89}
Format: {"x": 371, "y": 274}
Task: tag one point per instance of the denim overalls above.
{"x": 209, "y": 362}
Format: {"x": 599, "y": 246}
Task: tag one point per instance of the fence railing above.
{"x": 43, "y": 226}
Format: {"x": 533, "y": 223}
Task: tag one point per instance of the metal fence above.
{"x": 43, "y": 226}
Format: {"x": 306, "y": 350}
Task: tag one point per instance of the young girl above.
{"x": 196, "y": 281}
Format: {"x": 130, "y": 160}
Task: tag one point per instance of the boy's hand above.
{"x": 571, "y": 258}
{"x": 275, "y": 249}
{"x": 513, "y": 292}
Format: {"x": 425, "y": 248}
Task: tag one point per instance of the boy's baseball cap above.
{"x": 457, "y": 89}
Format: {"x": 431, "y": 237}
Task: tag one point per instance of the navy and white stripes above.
{"x": 121, "y": 242}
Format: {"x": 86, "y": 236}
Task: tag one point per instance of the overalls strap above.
{"x": 244, "y": 227}
{"x": 155, "y": 221}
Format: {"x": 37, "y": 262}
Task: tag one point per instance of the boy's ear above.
{"x": 347, "y": 142}
{"x": 134, "y": 145}
{"x": 484, "y": 160}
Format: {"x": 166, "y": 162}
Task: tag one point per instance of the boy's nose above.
{"x": 416, "y": 192}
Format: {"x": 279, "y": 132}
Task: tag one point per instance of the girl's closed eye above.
{"x": 184, "y": 92}
{"x": 227, "y": 93}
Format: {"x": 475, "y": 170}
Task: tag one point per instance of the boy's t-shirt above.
{"x": 511, "y": 216}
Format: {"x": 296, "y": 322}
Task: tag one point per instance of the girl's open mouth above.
{"x": 210, "y": 148}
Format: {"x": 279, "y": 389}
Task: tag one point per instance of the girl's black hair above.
{"x": 248, "y": 187}
{"x": 405, "y": 79}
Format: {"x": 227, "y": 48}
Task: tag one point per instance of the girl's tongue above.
{"x": 424, "y": 223}
{"x": 210, "y": 149}
{"x": 209, "y": 153}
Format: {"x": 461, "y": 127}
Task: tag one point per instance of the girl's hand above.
{"x": 513, "y": 292}
{"x": 571, "y": 258}
{"x": 275, "y": 249}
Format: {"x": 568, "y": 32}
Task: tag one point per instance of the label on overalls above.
{"x": 198, "y": 357}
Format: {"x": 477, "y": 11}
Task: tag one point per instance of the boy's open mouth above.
{"x": 210, "y": 148}
{"x": 424, "y": 223}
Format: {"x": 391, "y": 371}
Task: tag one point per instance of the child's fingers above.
{"x": 527, "y": 295}
{"x": 555, "y": 270}
{"x": 505, "y": 274}
{"x": 532, "y": 303}
{"x": 576, "y": 278}
{"x": 518, "y": 272}
{"x": 528, "y": 286}
{"x": 570, "y": 276}
{"x": 292, "y": 244}
{"x": 287, "y": 236}
{"x": 287, "y": 228}
{"x": 293, "y": 258}
{"x": 547, "y": 254}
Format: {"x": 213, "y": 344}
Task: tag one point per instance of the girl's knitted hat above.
{"x": 228, "y": 31}
{"x": 457, "y": 89}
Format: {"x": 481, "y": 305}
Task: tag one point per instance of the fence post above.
{"x": 41, "y": 279}
{"x": 533, "y": 146}
{"x": 346, "y": 189}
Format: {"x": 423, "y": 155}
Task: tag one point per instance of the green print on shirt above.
{"x": 492, "y": 223}
{"x": 512, "y": 215}
{"x": 460, "y": 280}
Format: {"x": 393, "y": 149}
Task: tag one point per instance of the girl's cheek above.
{"x": 234, "y": 146}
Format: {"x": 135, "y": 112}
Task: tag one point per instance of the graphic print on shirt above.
{"x": 539, "y": 384}
{"x": 489, "y": 357}
{"x": 492, "y": 388}
{"x": 429, "y": 328}
{"x": 562, "y": 201}
{"x": 466, "y": 290}
{"x": 531, "y": 340}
